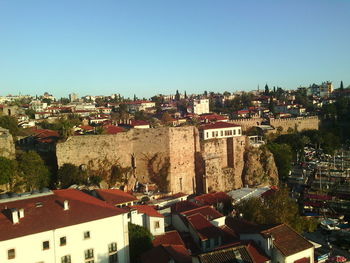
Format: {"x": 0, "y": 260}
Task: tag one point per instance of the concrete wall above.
{"x": 178, "y": 146}
{"x": 247, "y": 123}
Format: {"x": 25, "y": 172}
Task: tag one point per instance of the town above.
{"x": 245, "y": 176}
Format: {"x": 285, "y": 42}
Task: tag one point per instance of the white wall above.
{"x": 259, "y": 240}
{"x": 178, "y": 224}
{"x": 308, "y": 253}
{"x": 102, "y": 233}
{"x": 151, "y": 225}
{"x": 218, "y": 221}
{"x": 220, "y": 133}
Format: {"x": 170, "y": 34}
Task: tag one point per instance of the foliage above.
{"x": 166, "y": 118}
{"x": 140, "y": 240}
{"x": 30, "y": 113}
{"x": 118, "y": 174}
{"x": 10, "y": 123}
{"x": 69, "y": 174}
{"x": 7, "y": 170}
{"x": 274, "y": 209}
{"x": 33, "y": 170}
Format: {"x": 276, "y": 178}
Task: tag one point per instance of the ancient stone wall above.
{"x": 223, "y": 163}
{"x": 148, "y": 151}
{"x": 7, "y": 147}
{"x": 247, "y": 123}
{"x": 299, "y": 124}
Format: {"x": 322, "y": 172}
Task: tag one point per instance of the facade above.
{"x": 62, "y": 226}
{"x": 148, "y": 217}
{"x": 200, "y": 106}
{"x": 140, "y": 105}
{"x": 219, "y": 130}
{"x": 38, "y": 106}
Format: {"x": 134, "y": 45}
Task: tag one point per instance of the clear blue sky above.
{"x": 158, "y": 46}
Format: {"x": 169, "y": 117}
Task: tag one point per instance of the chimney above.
{"x": 21, "y": 212}
{"x": 14, "y": 214}
{"x": 65, "y": 205}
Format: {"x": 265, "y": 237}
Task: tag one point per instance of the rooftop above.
{"x": 115, "y": 196}
{"x": 218, "y": 125}
{"x": 45, "y": 212}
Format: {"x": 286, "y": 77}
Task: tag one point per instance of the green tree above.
{"x": 10, "y": 123}
{"x": 7, "y": 170}
{"x": 30, "y": 113}
{"x": 275, "y": 209}
{"x": 341, "y": 86}
{"x": 69, "y": 174}
{"x": 267, "y": 90}
{"x": 140, "y": 240}
{"x": 282, "y": 154}
{"x": 33, "y": 170}
{"x": 177, "y": 95}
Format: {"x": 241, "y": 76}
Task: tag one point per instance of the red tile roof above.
{"x": 164, "y": 253}
{"x": 218, "y": 125}
{"x": 111, "y": 129}
{"x": 148, "y": 210}
{"x": 168, "y": 238}
{"x": 183, "y": 206}
{"x": 203, "y": 227}
{"x": 206, "y": 211}
{"x": 138, "y": 123}
{"x": 50, "y": 214}
{"x": 115, "y": 196}
{"x": 287, "y": 240}
{"x": 213, "y": 198}
{"x": 45, "y": 136}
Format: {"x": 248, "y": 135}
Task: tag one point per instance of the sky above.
{"x": 147, "y": 47}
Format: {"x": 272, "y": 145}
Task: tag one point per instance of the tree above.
{"x": 7, "y": 170}
{"x": 10, "y": 123}
{"x": 69, "y": 174}
{"x": 30, "y": 113}
{"x": 33, "y": 170}
{"x": 140, "y": 240}
{"x": 272, "y": 105}
{"x": 185, "y": 95}
{"x": 341, "y": 86}
{"x": 276, "y": 208}
{"x": 282, "y": 154}
{"x": 267, "y": 90}
{"x": 177, "y": 95}
{"x": 166, "y": 118}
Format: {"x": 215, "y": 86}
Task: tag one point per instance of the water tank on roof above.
{"x": 4, "y": 196}
{"x": 45, "y": 190}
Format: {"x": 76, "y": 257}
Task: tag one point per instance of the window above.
{"x": 234, "y": 132}
{"x": 46, "y": 245}
{"x": 213, "y": 134}
{"x": 89, "y": 253}
{"x": 207, "y": 134}
{"x": 86, "y": 234}
{"x": 239, "y": 131}
{"x": 216, "y": 241}
{"x": 112, "y": 247}
{"x": 221, "y": 133}
{"x": 113, "y": 258}
{"x": 66, "y": 259}
{"x": 63, "y": 241}
{"x": 207, "y": 243}
{"x": 156, "y": 225}
{"x": 11, "y": 253}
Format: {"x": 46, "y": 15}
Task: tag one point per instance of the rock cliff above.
{"x": 259, "y": 167}
{"x": 7, "y": 147}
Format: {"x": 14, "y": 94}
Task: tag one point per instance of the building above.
{"x": 148, "y": 217}
{"x": 219, "y": 130}
{"x": 62, "y": 226}
{"x": 199, "y": 106}
{"x": 73, "y": 97}
{"x": 139, "y": 105}
{"x": 115, "y": 197}
{"x": 280, "y": 242}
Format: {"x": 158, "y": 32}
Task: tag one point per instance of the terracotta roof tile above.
{"x": 213, "y": 198}
{"x": 164, "y": 253}
{"x": 115, "y": 196}
{"x": 148, "y": 210}
{"x": 168, "y": 238}
{"x": 218, "y": 125}
{"x": 206, "y": 211}
{"x": 50, "y": 215}
{"x": 203, "y": 227}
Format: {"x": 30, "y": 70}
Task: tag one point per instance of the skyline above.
{"x": 156, "y": 47}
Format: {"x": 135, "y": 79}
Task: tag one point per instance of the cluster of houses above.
{"x": 92, "y": 226}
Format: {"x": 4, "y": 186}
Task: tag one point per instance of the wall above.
{"x": 175, "y": 145}
{"x": 222, "y": 161}
{"x": 7, "y": 147}
{"x": 302, "y": 123}
{"x": 247, "y": 123}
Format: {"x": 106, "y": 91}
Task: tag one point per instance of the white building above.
{"x": 280, "y": 242}
{"x": 219, "y": 130}
{"x": 139, "y": 105}
{"x": 148, "y": 217}
{"x": 200, "y": 106}
{"x": 60, "y": 227}
{"x": 38, "y": 106}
